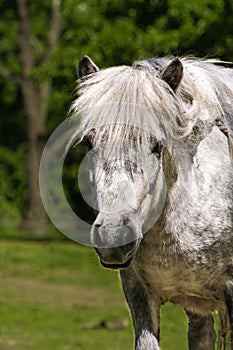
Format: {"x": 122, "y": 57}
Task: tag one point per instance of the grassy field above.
{"x": 55, "y": 296}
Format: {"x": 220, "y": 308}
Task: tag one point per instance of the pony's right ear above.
{"x": 173, "y": 73}
{"x": 85, "y": 67}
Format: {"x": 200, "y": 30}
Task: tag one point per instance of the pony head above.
{"x": 123, "y": 124}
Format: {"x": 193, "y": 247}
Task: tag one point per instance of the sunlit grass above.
{"x": 51, "y": 292}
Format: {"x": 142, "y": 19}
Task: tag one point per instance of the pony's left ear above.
{"x": 86, "y": 66}
{"x": 173, "y": 73}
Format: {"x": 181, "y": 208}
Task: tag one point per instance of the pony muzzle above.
{"x": 115, "y": 246}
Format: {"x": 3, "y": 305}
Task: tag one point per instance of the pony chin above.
{"x": 114, "y": 266}
{"x": 118, "y": 258}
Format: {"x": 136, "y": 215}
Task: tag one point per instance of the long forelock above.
{"x": 126, "y": 97}
{"x": 137, "y": 97}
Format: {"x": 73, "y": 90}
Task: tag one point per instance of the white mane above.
{"x": 138, "y": 96}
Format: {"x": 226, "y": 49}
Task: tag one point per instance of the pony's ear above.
{"x": 86, "y": 66}
{"x": 173, "y": 73}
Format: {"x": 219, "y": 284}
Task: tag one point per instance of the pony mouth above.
{"x": 115, "y": 266}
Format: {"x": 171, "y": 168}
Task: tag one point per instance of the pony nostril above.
{"x": 125, "y": 221}
{"x": 97, "y": 225}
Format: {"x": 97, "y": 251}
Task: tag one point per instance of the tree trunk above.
{"x": 35, "y": 219}
{"x": 35, "y": 99}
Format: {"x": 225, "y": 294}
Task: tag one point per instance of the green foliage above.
{"x": 12, "y": 184}
{"x": 183, "y": 23}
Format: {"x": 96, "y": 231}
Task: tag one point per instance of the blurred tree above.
{"x": 35, "y": 100}
{"x": 22, "y": 57}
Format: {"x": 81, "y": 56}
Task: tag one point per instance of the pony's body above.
{"x": 186, "y": 256}
{"x": 186, "y": 266}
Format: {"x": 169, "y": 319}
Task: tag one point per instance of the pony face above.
{"x": 123, "y": 172}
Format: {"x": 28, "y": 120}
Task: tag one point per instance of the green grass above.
{"x": 51, "y": 291}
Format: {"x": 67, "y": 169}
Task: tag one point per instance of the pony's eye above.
{"x": 157, "y": 148}
{"x": 87, "y": 142}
